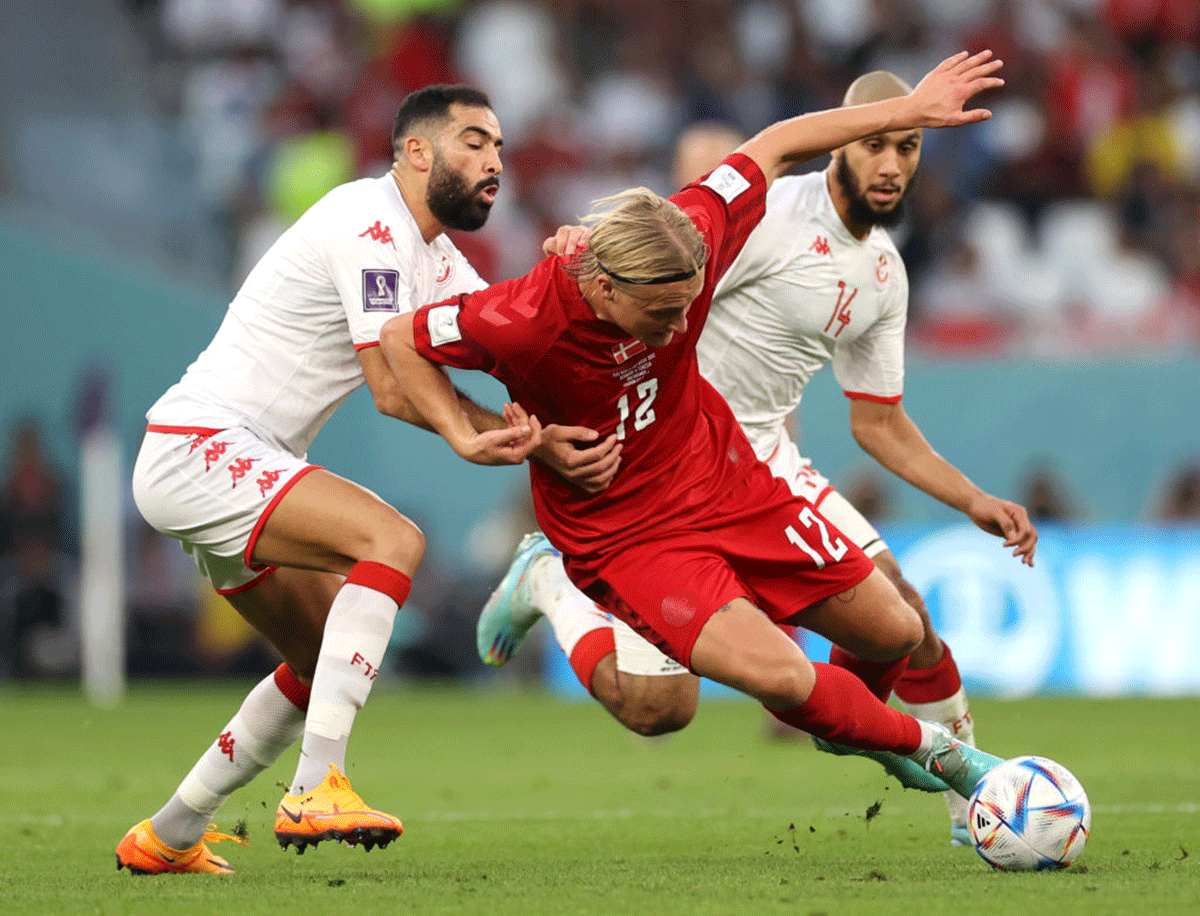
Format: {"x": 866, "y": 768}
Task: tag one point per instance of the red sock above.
{"x": 880, "y": 677}
{"x": 592, "y": 646}
{"x": 842, "y": 709}
{"x": 930, "y": 685}
{"x": 292, "y": 687}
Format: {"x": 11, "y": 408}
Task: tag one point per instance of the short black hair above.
{"x": 433, "y": 103}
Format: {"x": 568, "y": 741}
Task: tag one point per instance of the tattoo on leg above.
{"x": 727, "y": 607}
{"x": 847, "y": 597}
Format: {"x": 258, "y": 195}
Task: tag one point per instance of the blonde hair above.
{"x": 640, "y": 236}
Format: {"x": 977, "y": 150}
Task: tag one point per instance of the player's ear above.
{"x": 418, "y": 151}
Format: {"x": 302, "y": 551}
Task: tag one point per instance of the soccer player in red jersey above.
{"x": 695, "y": 544}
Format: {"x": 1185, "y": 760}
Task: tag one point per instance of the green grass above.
{"x": 517, "y": 803}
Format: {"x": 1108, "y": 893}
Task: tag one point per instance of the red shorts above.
{"x": 774, "y": 548}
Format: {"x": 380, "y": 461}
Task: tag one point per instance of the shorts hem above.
{"x": 238, "y": 589}
{"x": 262, "y": 519}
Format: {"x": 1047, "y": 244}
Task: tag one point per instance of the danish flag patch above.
{"x": 622, "y": 352}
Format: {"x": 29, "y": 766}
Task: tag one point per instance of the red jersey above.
{"x": 683, "y": 449}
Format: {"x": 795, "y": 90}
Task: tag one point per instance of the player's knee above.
{"x": 396, "y": 541}
{"x": 784, "y": 685}
{"x": 912, "y": 598}
{"x": 898, "y": 631}
{"x": 654, "y": 717}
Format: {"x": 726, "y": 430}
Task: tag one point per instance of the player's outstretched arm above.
{"x": 887, "y": 434}
{"x": 429, "y": 390}
{"x": 939, "y": 100}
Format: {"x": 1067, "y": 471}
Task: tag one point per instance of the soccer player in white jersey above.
{"x": 818, "y": 281}
{"x": 316, "y": 563}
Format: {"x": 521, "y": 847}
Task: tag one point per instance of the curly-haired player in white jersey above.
{"x": 818, "y": 280}
{"x": 316, "y": 563}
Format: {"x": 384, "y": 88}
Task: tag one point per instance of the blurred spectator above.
{"x": 37, "y": 617}
{"x": 1100, "y": 117}
{"x": 1046, "y": 497}
{"x": 1180, "y": 502}
{"x": 867, "y": 491}
{"x": 32, "y": 500}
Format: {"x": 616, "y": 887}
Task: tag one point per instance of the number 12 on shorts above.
{"x": 835, "y": 547}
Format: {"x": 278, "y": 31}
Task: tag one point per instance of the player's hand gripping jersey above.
{"x": 804, "y": 291}
{"x": 538, "y": 336}
{"x": 285, "y": 357}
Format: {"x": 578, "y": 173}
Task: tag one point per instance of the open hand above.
{"x": 941, "y": 95}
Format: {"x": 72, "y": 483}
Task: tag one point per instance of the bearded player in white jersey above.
{"x": 318, "y": 564}
{"x": 818, "y": 281}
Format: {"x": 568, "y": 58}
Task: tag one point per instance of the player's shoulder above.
{"x": 368, "y": 207}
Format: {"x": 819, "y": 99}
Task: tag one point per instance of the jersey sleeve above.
{"x": 495, "y": 330}
{"x": 871, "y": 367}
{"x": 366, "y": 273}
{"x": 726, "y": 205}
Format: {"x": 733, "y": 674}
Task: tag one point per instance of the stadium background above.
{"x": 152, "y": 150}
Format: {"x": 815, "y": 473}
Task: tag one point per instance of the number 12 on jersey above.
{"x": 835, "y": 547}
{"x": 643, "y": 413}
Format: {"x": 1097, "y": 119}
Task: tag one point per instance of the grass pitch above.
{"x": 516, "y": 803}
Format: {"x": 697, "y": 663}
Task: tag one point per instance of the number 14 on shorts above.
{"x": 835, "y": 548}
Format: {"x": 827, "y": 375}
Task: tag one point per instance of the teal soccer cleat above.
{"x": 509, "y": 613}
{"x": 909, "y": 773}
{"x": 959, "y": 765}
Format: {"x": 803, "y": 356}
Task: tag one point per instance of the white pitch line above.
{"x": 624, "y": 814}
{"x": 712, "y": 813}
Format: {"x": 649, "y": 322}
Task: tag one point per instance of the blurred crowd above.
{"x": 1067, "y": 225}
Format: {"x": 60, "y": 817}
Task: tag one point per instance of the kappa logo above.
{"x": 239, "y": 468}
{"x": 268, "y": 480}
{"x": 820, "y": 245}
{"x": 622, "y": 352}
{"x": 379, "y": 233}
{"x": 225, "y": 742}
{"x": 199, "y": 440}
{"x": 213, "y": 453}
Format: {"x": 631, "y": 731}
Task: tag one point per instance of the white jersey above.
{"x": 285, "y": 356}
{"x": 803, "y": 291}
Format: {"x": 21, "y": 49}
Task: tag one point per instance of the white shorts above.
{"x": 636, "y": 656}
{"x": 807, "y": 482}
{"x": 213, "y": 490}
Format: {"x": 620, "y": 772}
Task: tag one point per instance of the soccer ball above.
{"x": 1029, "y": 814}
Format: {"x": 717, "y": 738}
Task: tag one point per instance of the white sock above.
{"x": 571, "y": 613}
{"x": 356, "y": 637}
{"x": 954, "y": 712}
{"x": 266, "y": 725}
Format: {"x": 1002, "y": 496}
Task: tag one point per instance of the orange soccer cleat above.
{"x": 333, "y": 811}
{"x": 143, "y": 853}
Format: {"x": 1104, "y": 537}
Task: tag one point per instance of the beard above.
{"x": 455, "y": 205}
{"x": 861, "y": 210}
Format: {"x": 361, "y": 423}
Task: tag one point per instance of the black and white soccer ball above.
{"x": 1029, "y": 814}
